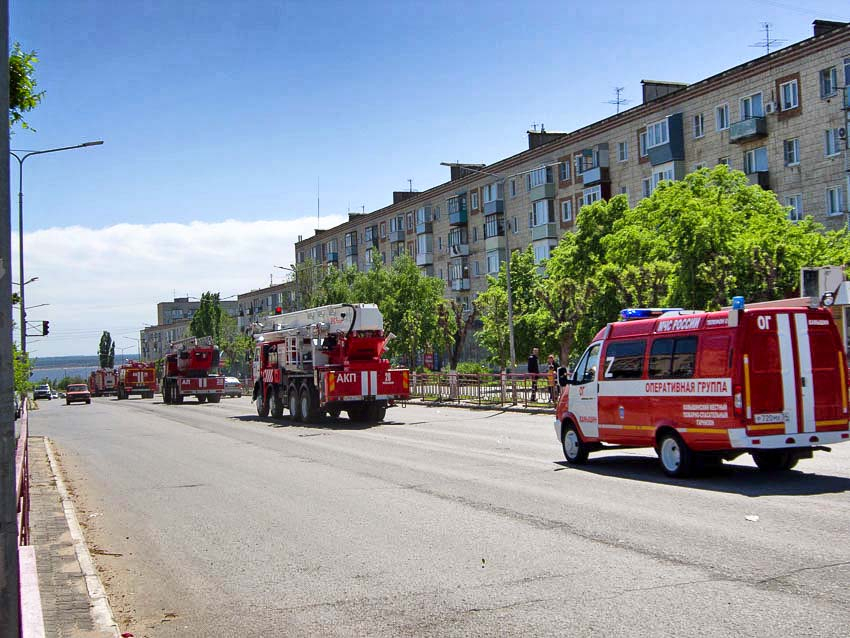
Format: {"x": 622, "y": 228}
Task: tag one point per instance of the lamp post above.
{"x": 294, "y": 272}
{"x": 21, "y": 159}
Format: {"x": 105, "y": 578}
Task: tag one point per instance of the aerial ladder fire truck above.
{"x": 135, "y": 377}
{"x": 191, "y": 369}
{"x": 324, "y": 361}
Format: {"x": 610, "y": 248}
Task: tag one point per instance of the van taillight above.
{"x": 738, "y": 401}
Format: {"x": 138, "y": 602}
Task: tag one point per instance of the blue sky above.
{"x": 215, "y": 111}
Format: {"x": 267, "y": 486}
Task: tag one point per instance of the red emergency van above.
{"x": 709, "y": 386}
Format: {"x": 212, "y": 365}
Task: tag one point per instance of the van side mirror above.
{"x": 563, "y": 378}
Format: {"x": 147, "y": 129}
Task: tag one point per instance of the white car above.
{"x": 232, "y": 387}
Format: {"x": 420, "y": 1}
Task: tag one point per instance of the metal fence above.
{"x": 527, "y": 390}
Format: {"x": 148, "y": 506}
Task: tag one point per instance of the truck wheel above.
{"x": 775, "y": 460}
{"x": 275, "y": 401}
{"x": 334, "y": 413}
{"x": 214, "y": 398}
{"x": 201, "y": 398}
{"x": 294, "y": 403}
{"x": 676, "y": 457}
{"x": 178, "y": 398}
{"x": 309, "y": 403}
{"x": 166, "y": 392}
{"x": 262, "y": 403}
{"x": 575, "y": 450}
{"x": 357, "y": 414}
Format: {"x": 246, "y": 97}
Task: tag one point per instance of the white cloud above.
{"x": 112, "y": 278}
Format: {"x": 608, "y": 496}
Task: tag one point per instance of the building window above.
{"x": 475, "y": 233}
{"x": 721, "y": 117}
{"x": 795, "y": 204}
{"x": 755, "y": 161}
{"x": 492, "y": 192}
{"x": 590, "y": 195}
{"x": 657, "y": 134}
{"x": 833, "y": 141}
{"x": 474, "y": 200}
{"x": 516, "y": 226}
{"x": 543, "y": 212}
{"x": 513, "y": 188}
{"x": 493, "y": 262}
{"x": 564, "y": 171}
{"x": 436, "y": 213}
{"x": 476, "y": 268}
{"x": 541, "y": 253}
{"x": 567, "y": 211}
{"x": 789, "y": 95}
{"x": 410, "y": 221}
{"x": 540, "y": 176}
{"x": 829, "y": 82}
{"x": 642, "y": 144}
{"x": 622, "y": 152}
{"x": 726, "y": 161}
{"x": 439, "y": 243}
{"x": 834, "y": 201}
{"x": 699, "y": 166}
{"x": 662, "y": 175}
{"x": 646, "y": 187}
{"x": 791, "y": 151}
{"x": 751, "y": 106}
{"x": 699, "y": 125}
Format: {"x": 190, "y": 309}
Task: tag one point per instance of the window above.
{"x": 540, "y": 176}
{"x": 492, "y": 192}
{"x": 673, "y": 358}
{"x": 515, "y": 225}
{"x": 475, "y": 233}
{"x": 755, "y": 161}
{"x": 829, "y": 82}
{"x": 642, "y": 144}
{"x": 646, "y": 187}
{"x": 424, "y": 244}
{"x": 751, "y": 106}
{"x": 456, "y": 204}
{"x": 513, "y": 188}
{"x": 564, "y": 171}
{"x": 397, "y": 224}
{"x": 541, "y": 253}
{"x": 423, "y": 215}
{"x": 586, "y": 368}
{"x": 410, "y": 221}
{"x": 795, "y": 202}
{"x": 439, "y": 243}
{"x": 494, "y": 226}
{"x": 699, "y": 125}
{"x": 624, "y": 360}
{"x": 458, "y": 236}
{"x": 791, "y": 151}
{"x": 590, "y": 195}
{"x": 657, "y": 134}
{"x": 834, "y": 201}
{"x": 493, "y": 262}
{"x": 543, "y": 212}
{"x": 436, "y": 213}
{"x": 622, "y": 151}
{"x": 476, "y": 268}
{"x": 789, "y": 96}
{"x": 663, "y": 174}
{"x": 474, "y": 200}
{"x": 721, "y": 117}
{"x": 567, "y": 211}
{"x": 833, "y": 141}
{"x": 699, "y": 166}
{"x": 725, "y": 160}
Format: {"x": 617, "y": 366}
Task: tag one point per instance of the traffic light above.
{"x": 45, "y": 327}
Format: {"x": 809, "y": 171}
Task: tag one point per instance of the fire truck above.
{"x": 709, "y": 386}
{"x": 191, "y": 369}
{"x": 102, "y": 382}
{"x": 135, "y": 377}
{"x": 323, "y": 361}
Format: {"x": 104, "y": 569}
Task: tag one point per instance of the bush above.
{"x": 472, "y": 367}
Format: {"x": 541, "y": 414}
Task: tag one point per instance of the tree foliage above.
{"x": 22, "y": 367}
{"x": 207, "y": 320}
{"x": 106, "y": 350}
{"x": 23, "y": 96}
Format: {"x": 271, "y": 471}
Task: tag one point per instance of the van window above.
{"x": 624, "y": 360}
{"x": 586, "y": 369}
{"x": 673, "y": 358}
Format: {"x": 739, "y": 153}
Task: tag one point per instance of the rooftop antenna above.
{"x": 362, "y": 208}
{"x": 768, "y": 41}
{"x": 410, "y": 184}
{"x": 534, "y": 126}
{"x": 619, "y": 99}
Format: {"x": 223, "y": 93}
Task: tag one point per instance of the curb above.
{"x": 101, "y": 612}
{"x": 475, "y": 406}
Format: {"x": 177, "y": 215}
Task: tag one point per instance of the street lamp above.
{"x": 294, "y": 272}
{"x": 21, "y": 159}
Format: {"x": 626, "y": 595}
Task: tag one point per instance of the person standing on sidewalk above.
{"x": 534, "y": 371}
{"x": 551, "y": 371}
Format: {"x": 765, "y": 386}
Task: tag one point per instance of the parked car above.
{"x": 77, "y": 392}
{"x": 42, "y": 392}
{"x": 232, "y": 387}
{"x": 17, "y": 405}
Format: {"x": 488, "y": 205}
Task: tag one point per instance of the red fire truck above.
{"x": 709, "y": 386}
{"x": 135, "y": 377}
{"x": 326, "y": 360}
{"x": 102, "y": 382}
{"x": 191, "y": 370}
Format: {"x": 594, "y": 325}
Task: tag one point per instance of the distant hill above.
{"x": 77, "y": 361}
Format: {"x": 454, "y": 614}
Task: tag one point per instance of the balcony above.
{"x": 760, "y": 178}
{"x": 496, "y": 242}
{"x": 457, "y": 218}
{"x": 350, "y": 251}
{"x": 459, "y": 284}
{"x": 542, "y": 191}
{"x": 544, "y": 231}
{"x": 496, "y": 206}
{"x": 595, "y": 175}
{"x": 396, "y": 236}
{"x": 458, "y": 250}
{"x": 333, "y": 258}
{"x": 424, "y": 259}
{"x": 424, "y": 228}
{"x": 749, "y": 129}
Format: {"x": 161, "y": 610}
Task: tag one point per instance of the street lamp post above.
{"x": 21, "y": 159}
{"x": 294, "y": 272}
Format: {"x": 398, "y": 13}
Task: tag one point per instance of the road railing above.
{"x": 533, "y": 391}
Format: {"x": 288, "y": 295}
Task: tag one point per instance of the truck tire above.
{"x": 214, "y": 398}
{"x": 294, "y": 403}
{"x": 202, "y": 398}
{"x": 676, "y": 457}
{"x": 374, "y": 413}
{"x": 357, "y": 414}
{"x": 775, "y": 460}
{"x": 262, "y": 403}
{"x": 178, "y": 398}
{"x": 575, "y": 450}
{"x": 334, "y": 413}
{"x": 309, "y": 404}
{"x": 275, "y": 401}
{"x": 166, "y": 392}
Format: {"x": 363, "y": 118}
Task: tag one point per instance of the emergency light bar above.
{"x": 631, "y": 314}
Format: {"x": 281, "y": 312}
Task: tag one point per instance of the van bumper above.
{"x": 738, "y": 438}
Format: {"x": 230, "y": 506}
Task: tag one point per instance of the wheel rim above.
{"x": 293, "y": 404}
{"x": 671, "y": 455}
{"x": 571, "y": 444}
{"x": 305, "y": 404}
{"x": 260, "y": 404}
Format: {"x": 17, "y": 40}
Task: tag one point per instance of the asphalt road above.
{"x": 208, "y": 521}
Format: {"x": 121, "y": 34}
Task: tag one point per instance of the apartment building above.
{"x": 256, "y": 304}
{"x": 781, "y": 118}
{"x": 173, "y": 319}
{"x": 168, "y": 312}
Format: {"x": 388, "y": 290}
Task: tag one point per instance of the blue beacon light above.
{"x": 737, "y": 303}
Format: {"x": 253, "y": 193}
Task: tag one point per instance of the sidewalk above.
{"x": 72, "y": 598}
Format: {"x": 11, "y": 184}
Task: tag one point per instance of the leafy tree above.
{"x": 106, "y": 350}
{"x": 494, "y": 333}
{"x": 22, "y": 367}
{"x": 207, "y": 320}
{"x": 22, "y": 94}
{"x": 235, "y": 346}
{"x": 454, "y": 325}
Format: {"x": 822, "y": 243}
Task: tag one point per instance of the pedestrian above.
{"x": 551, "y": 371}
{"x": 534, "y": 371}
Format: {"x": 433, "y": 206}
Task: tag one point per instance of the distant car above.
{"x": 17, "y": 406}
{"x": 77, "y": 392}
{"x": 232, "y": 387}
{"x": 42, "y": 392}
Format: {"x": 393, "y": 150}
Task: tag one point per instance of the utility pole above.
{"x": 9, "y": 575}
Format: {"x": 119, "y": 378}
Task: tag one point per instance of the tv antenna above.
{"x": 619, "y": 99}
{"x": 768, "y": 41}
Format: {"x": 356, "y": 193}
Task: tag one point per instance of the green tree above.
{"x": 22, "y": 84}
{"x": 207, "y": 320}
{"x": 22, "y": 367}
{"x": 494, "y": 332}
{"x": 454, "y": 324}
{"x": 106, "y": 350}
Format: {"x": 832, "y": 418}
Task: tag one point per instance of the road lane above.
{"x": 440, "y": 522}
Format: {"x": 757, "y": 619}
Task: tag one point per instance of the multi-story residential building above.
{"x": 263, "y": 302}
{"x": 781, "y": 118}
{"x": 181, "y": 308}
{"x": 173, "y": 319}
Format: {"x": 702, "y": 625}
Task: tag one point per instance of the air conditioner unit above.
{"x": 842, "y": 133}
{"x": 814, "y": 282}
{"x": 770, "y": 108}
